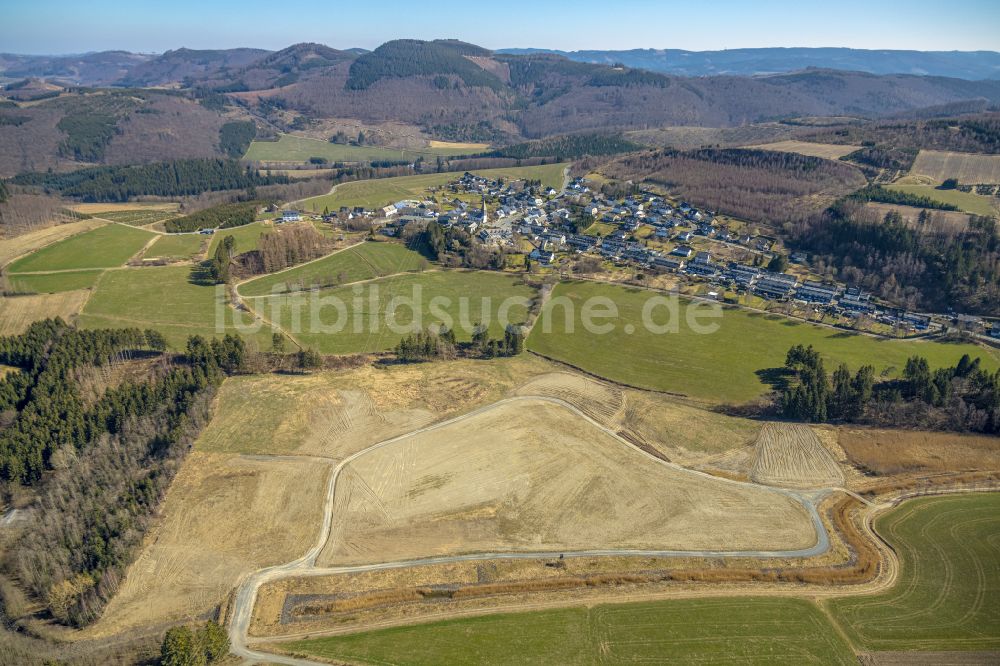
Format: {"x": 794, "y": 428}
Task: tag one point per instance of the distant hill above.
{"x": 89, "y": 69}
{"x": 189, "y": 64}
{"x": 972, "y": 65}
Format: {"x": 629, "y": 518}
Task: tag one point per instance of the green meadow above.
{"x": 360, "y": 262}
{"x": 105, "y": 247}
{"x": 164, "y": 298}
{"x": 692, "y": 631}
{"x": 721, "y": 366}
{"x": 50, "y": 283}
{"x": 966, "y": 201}
{"x": 947, "y": 596}
{"x": 362, "y": 318}
{"x": 176, "y": 246}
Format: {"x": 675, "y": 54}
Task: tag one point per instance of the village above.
{"x": 645, "y": 232}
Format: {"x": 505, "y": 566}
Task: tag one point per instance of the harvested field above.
{"x": 661, "y": 423}
{"x": 598, "y": 400}
{"x": 339, "y": 413}
{"x": 18, "y": 312}
{"x": 830, "y": 151}
{"x": 223, "y": 517}
{"x": 900, "y": 451}
{"x": 910, "y": 658}
{"x": 790, "y": 455}
{"x": 969, "y": 168}
{"x": 98, "y": 208}
{"x": 529, "y": 476}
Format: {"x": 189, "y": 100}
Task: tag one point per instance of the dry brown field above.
{"x": 224, "y": 517}
{"x": 19, "y": 312}
{"x": 969, "y": 168}
{"x": 530, "y": 476}
{"x": 907, "y": 451}
{"x": 791, "y": 455}
{"x": 829, "y": 151}
{"x": 335, "y": 414}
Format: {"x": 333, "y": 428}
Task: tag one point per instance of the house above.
{"x": 666, "y": 263}
{"x": 740, "y": 274}
{"x": 682, "y": 251}
{"x": 702, "y": 258}
{"x": 995, "y": 331}
{"x": 389, "y": 211}
{"x": 684, "y": 236}
{"x": 817, "y": 292}
{"x": 290, "y": 216}
{"x": 918, "y": 321}
{"x": 798, "y": 257}
{"x": 542, "y": 255}
{"x": 774, "y": 285}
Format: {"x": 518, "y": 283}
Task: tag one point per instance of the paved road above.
{"x": 246, "y": 595}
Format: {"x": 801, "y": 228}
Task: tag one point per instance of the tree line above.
{"x": 223, "y": 216}
{"x": 568, "y": 147}
{"x": 438, "y": 342}
{"x": 166, "y": 179}
{"x": 101, "y": 460}
{"x": 965, "y": 397}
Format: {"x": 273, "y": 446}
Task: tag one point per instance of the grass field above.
{"x": 702, "y": 631}
{"x": 970, "y": 169}
{"x": 830, "y": 151}
{"x": 383, "y": 191}
{"x": 967, "y": 201}
{"x": 176, "y": 246}
{"x": 291, "y": 148}
{"x": 163, "y": 298}
{"x": 106, "y": 247}
{"x": 362, "y": 262}
{"x": 719, "y": 366}
{"x": 947, "y": 596}
{"x": 246, "y": 236}
{"x": 318, "y": 318}
{"x": 50, "y": 283}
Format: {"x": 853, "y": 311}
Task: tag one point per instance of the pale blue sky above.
{"x": 75, "y": 26}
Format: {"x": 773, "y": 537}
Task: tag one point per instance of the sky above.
{"x": 78, "y": 26}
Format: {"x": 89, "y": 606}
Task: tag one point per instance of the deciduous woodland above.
{"x": 753, "y": 184}
{"x": 100, "y": 452}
